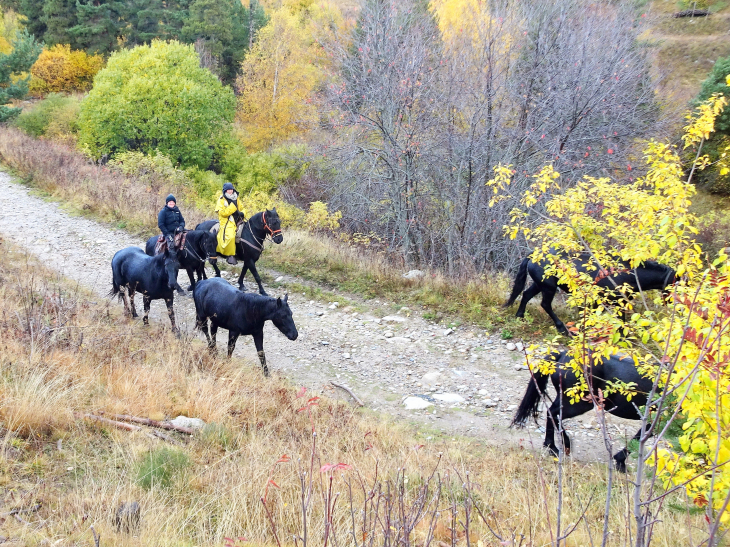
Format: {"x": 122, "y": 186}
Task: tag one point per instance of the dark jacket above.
{"x": 170, "y": 220}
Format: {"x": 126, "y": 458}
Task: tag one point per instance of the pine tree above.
{"x": 100, "y": 24}
{"x": 25, "y": 52}
{"x": 59, "y": 16}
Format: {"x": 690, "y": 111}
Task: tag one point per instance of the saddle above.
{"x": 239, "y": 230}
{"x": 161, "y": 245}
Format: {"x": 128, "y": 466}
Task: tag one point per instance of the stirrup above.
{"x": 232, "y": 260}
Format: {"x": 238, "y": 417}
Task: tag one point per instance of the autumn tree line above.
{"x": 393, "y": 113}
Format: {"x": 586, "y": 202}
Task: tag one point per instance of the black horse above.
{"x": 154, "y": 277}
{"x": 650, "y": 275}
{"x": 610, "y": 370}
{"x": 249, "y": 249}
{"x": 199, "y": 246}
{"x": 240, "y": 313}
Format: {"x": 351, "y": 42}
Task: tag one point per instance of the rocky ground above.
{"x": 446, "y": 381}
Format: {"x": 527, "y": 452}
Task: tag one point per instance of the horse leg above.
{"x": 125, "y": 300}
{"x": 547, "y": 305}
{"x": 232, "y": 338}
{"x": 214, "y": 263}
{"x": 213, "y": 332}
{"x": 528, "y": 295}
{"x": 191, "y": 276}
{"x": 554, "y": 418}
{"x": 244, "y": 269}
{"x": 258, "y": 340}
{"x": 252, "y": 266}
{"x": 131, "y": 302}
{"x": 146, "y": 301}
{"x": 171, "y": 313}
{"x": 622, "y": 455}
{"x": 202, "y": 324}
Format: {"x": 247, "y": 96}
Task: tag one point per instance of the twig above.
{"x": 357, "y": 399}
{"x": 152, "y": 423}
{"x": 97, "y": 537}
{"x": 19, "y": 511}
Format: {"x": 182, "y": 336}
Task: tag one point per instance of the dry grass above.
{"x": 63, "y": 173}
{"x": 64, "y": 353}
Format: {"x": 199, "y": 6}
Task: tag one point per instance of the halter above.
{"x": 272, "y": 233}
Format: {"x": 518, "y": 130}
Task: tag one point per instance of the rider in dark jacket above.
{"x": 170, "y": 221}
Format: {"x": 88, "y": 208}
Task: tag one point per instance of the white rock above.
{"x": 482, "y": 392}
{"x": 413, "y": 274}
{"x": 511, "y": 346}
{"x": 191, "y": 423}
{"x": 489, "y": 403}
{"x": 448, "y": 331}
{"x": 518, "y": 367}
{"x": 416, "y": 403}
{"x": 320, "y": 313}
{"x": 449, "y": 397}
{"x": 280, "y": 278}
{"x": 400, "y": 340}
{"x": 388, "y": 334}
{"x": 393, "y": 319}
{"x": 345, "y": 355}
{"x": 519, "y": 346}
{"x": 510, "y": 408}
{"x": 334, "y": 305}
{"x": 431, "y": 378}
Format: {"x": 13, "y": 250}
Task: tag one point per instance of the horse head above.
{"x": 283, "y": 319}
{"x": 669, "y": 281}
{"x": 272, "y": 224}
{"x": 209, "y": 244}
{"x": 172, "y": 267}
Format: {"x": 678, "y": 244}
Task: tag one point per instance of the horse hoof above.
{"x": 242, "y": 288}
{"x": 264, "y": 293}
{"x": 190, "y": 287}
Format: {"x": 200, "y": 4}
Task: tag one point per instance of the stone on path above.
{"x": 416, "y": 403}
{"x": 449, "y": 397}
{"x": 399, "y": 340}
{"x": 431, "y": 378}
{"x": 413, "y": 274}
{"x": 393, "y": 319}
{"x": 511, "y": 346}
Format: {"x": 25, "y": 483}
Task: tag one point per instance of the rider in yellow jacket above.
{"x": 227, "y": 207}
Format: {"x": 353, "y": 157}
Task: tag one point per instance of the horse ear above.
{"x": 278, "y": 302}
{"x": 286, "y": 297}
{"x": 273, "y": 210}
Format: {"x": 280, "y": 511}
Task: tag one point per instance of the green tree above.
{"x": 156, "y": 97}
{"x": 101, "y": 24}
{"x": 60, "y": 17}
{"x": 223, "y": 25}
{"x": 12, "y": 65}
{"x": 715, "y": 83}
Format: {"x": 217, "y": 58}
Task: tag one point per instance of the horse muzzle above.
{"x": 278, "y": 238}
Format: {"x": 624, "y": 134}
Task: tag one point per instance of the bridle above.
{"x": 272, "y": 233}
{"x": 260, "y": 246}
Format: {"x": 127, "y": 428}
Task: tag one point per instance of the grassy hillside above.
{"x": 66, "y": 355}
{"x": 685, "y": 49}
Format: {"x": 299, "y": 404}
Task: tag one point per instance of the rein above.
{"x": 271, "y": 233}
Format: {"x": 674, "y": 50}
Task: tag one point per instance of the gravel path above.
{"x": 470, "y": 380}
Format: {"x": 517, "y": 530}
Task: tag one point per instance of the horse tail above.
{"x": 519, "y": 285}
{"x": 115, "y": 290}
{"x": 531, "y": 401}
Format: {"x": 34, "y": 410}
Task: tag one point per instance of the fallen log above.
{"x": 128, "y": 427}
{"x": 357, "y": 399}
{"x": 152, "y": 423}
{"x": 692, "y": 13}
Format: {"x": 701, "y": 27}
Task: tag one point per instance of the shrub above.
{"x": 716, "y": 82}
{"x": 156, "y": 97}
{"x": 256, "y": 201}
{"x": 60, "y": 69}
{"x": 319, "y": 218}
{"x": 159, "y": 467}
{"x": 55, "y": 117}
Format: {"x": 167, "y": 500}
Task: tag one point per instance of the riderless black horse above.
{"x": 249, "y": 248}
{"x": 199, "y": 247}
{"x": 610, "y": 370}
{"x": 648, "y": 276}
{"x": 240, "y": 313}
{"x": 154, "y": 277}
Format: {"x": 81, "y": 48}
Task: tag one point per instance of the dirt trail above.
{"x": 472, "y": 380}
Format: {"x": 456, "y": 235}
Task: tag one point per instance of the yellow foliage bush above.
{"x": 60, "y": 69}
{"x": 290, "y": 215}
{"x": 319, "y": 218}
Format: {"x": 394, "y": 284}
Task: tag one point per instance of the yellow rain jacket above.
{"x": 227, "y": 231}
